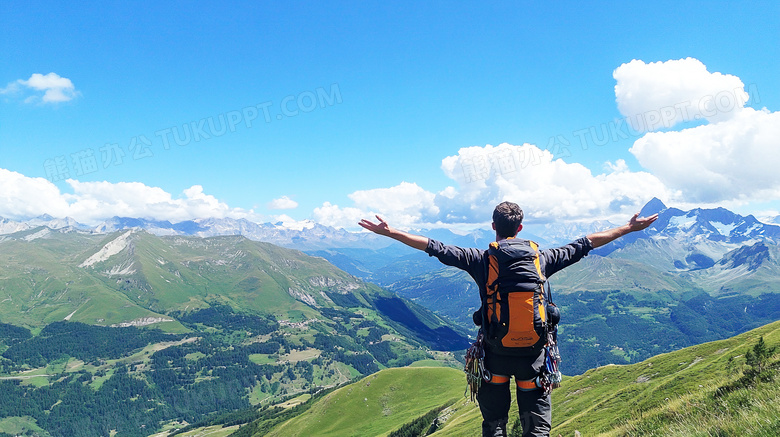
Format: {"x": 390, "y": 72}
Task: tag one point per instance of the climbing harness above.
{"x": 475, "y": 367}
{"x": 476, "y": 373}
{"x": 551, "y": 375}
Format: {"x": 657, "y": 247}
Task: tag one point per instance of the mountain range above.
{"x": 702, "y": 250}
{"x": 684, "y": 253}
{"x": 176, "y": 323}
{"x": 306, "y": 235}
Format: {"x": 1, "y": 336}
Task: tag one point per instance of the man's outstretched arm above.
{"x": 599, "y": 239}
{"x": 382, "y": 228}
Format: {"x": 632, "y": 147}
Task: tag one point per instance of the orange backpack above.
{"x": 514, "y": 319}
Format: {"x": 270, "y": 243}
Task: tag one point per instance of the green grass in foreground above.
{"x": 674, "y": 394}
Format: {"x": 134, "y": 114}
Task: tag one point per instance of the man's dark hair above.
{"x": 508, "y": 217}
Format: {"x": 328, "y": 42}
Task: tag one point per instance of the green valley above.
{"x": 129, "y": 334}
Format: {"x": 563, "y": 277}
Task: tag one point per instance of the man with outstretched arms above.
{"x": 494, "y": 396}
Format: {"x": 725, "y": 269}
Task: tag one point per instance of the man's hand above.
{"x": 636, "y": 223}
{"x": 382, "y": 228}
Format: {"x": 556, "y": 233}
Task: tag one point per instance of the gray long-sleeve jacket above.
{"x": 475, "y": 261}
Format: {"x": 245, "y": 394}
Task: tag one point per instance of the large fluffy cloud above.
{"x": 93, "y": 201}
{"x": 662, "y": 94}
{"x": 734, "y": 160}
{"x": 548, "y": 189}
{"x": 45, "y": 88}
{"x": 406, "y": 204}
{"x": 728, "y": 158}
{"x": 731, "y": 157}
{"x": 342, "y": 217}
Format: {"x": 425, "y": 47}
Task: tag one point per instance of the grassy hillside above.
{"x": 40, "y": 281}
{"x": 674, "y": 394}
{"x": 377, "y": 404}
{"x": 697, "y": 391}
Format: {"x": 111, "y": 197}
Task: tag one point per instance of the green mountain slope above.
{"x": 131, "y": 277}
{"x": 40, "y": 282}
{"x": 377, "y": 404}
{"x": 673, "y": 394}
{"x": 450, "y": 291}
{"x": 633, "y": 276}
{"x": 187, "y": 327}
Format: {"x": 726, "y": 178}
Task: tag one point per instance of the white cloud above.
{"x": 91, "y": 202}
{"x": 406, "y": 205}
{"x": 283, "y": 202}
{"x": 734, "y": 160}
{"x": 333, "y": 215}
{"x": 22, "y": 196}
{"x": 730, "y": 159}
{"x": 545, "y": 188}
{"x": 662, "y": 94}
{"x": 405, "y": 201}
{"x": 11, "y": 88}
{"x": 48, "y": 88}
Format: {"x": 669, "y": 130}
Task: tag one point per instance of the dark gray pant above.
{"x": 495, "y": 399}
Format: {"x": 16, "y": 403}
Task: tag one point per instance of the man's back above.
{"x": 494, "y": 396}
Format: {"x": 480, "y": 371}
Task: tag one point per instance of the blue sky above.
{"x": 418, "y": 112}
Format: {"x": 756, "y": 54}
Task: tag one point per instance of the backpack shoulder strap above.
{"x": 537, "y": 261}
{"x": 492, "y": 267}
